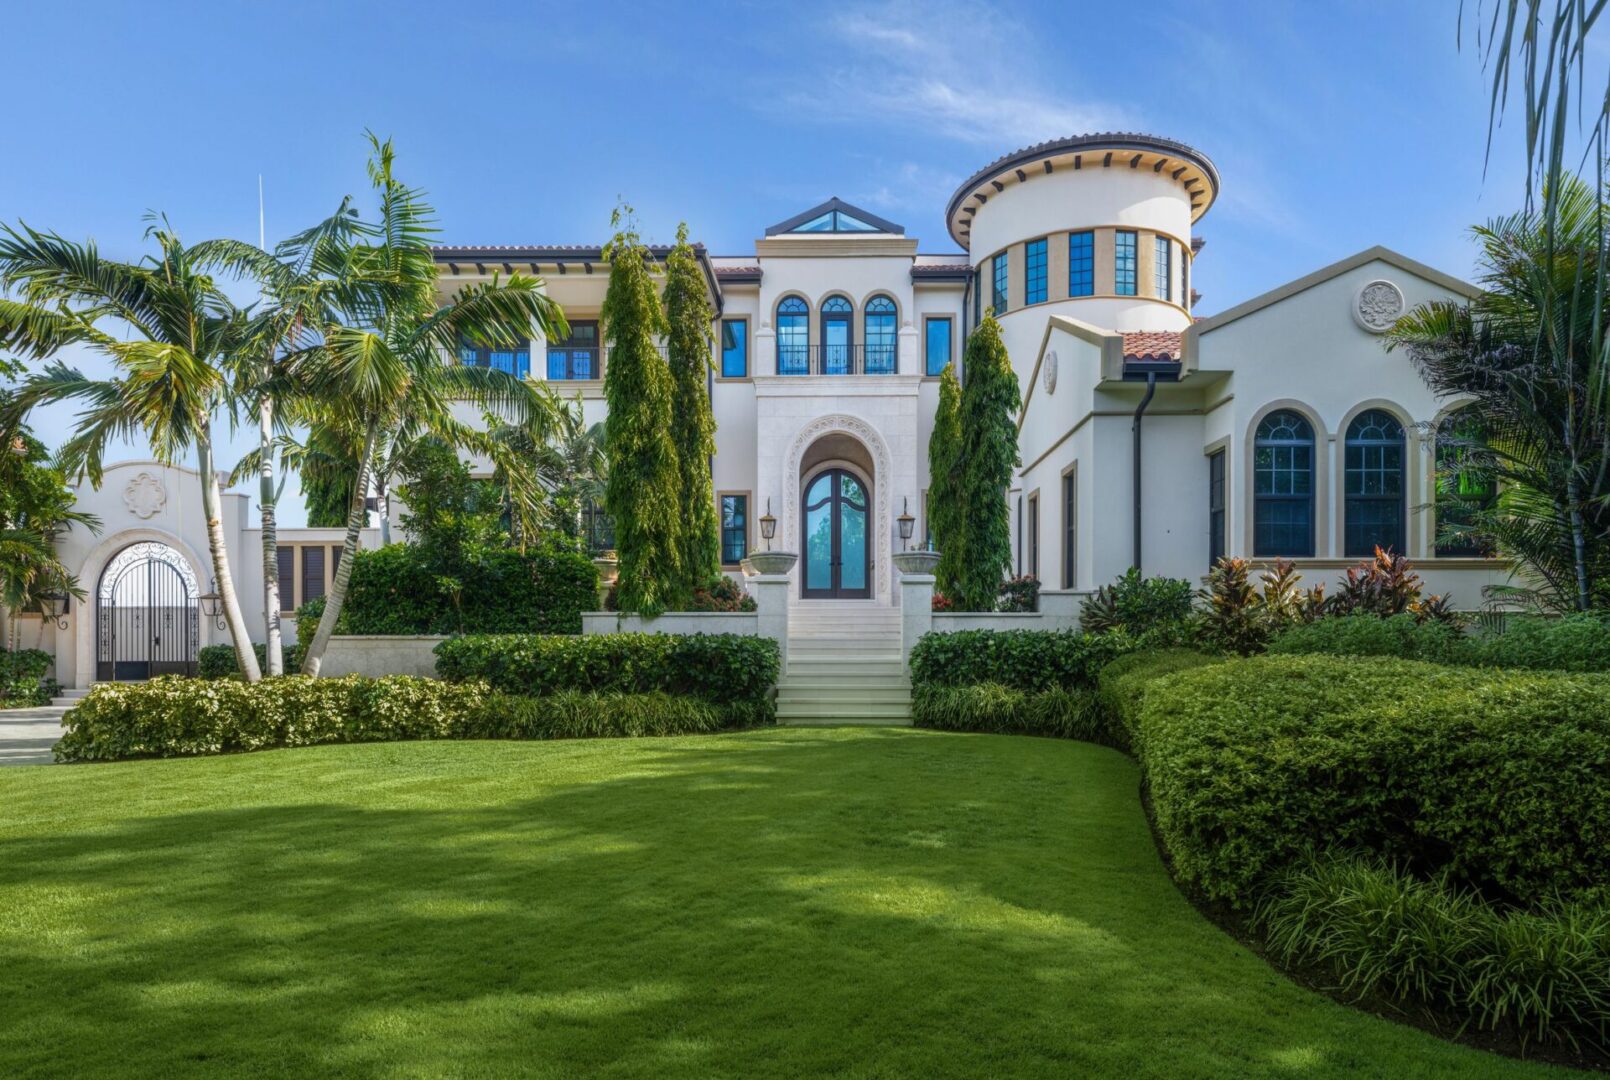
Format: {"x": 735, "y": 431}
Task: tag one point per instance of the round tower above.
{"x": 1095, "y": 227}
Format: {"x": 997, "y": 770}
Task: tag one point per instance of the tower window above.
{"x": 1162, "y": 269}
{"x": 1081, "y": 263}
{"x": 1123, "y": 264}
{"x": 999, "y": 271}
{"x": 1034, "y": 272}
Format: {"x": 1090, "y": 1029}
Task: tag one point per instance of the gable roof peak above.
{"x": 836, "y": 216}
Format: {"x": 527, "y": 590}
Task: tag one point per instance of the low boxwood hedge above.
{"x": 1028, "y": 660}
{"x": 1499, "y": 778}
{"x": 719, "y": 668}
{"x": 1571, "y": 643}
{"x": 1001, "y": 710}
{"x": 1121, "y": 686}
{"x": 174, "y": 716}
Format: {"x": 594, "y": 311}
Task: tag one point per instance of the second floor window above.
{"x": 734, "y": 348}
{"x": 511, "y": 360}
{"x": 936, "y": 349}
{"x": 1163, "y": 269}
{"x": 881, "y": 336}
{"x": 998, "y": 292}
{"x": 1034, "y": 272}
{"x": 575, "y": 357}
{"x": 1081, "y": 263}
{"x": 793, "y": 336}
{"x": 1123, "y": 262}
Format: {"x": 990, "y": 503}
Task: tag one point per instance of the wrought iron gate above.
{"x": 146, "y": 622}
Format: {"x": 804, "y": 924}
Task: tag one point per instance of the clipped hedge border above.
{"x": 1001, "y": 710}
{"x": 1027, "y": 660}
{"x": 1576, "y": 643}
{"x": 719, "y": 668}
{"x": 174, "y": 716}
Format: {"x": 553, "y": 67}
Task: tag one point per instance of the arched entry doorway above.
{"x": 146, "y": 619}
{"x": 836, "y": 540}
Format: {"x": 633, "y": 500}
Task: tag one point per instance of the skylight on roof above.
{"x": 834, "y": 221}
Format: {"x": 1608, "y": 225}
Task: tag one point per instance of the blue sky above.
{"x": 1334, "y": 126}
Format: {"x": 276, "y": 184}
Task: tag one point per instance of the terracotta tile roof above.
{"x": 1153, "y": 345}
{"x": 722, "y": 271}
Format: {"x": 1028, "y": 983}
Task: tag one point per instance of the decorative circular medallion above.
{"x": 1048, "y": 372}
{"x": 145, "y": 496}
{"x": 1378, "y": 305}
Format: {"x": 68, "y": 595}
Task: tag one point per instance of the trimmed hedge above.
{"x": 1381, "y": 931}
{"x": 22, "y": 678}
{"x": 174, "y": 716}
{"x": 1501, "y": 779}
{"x": 1027, "y": 660}
{"x": 719, "y": 668}
{"x": 1122, "y": 684}
{"x": 218, "y": 661}
{"x": 1001, "y": 710}
{"x": 397, "y": 590}
{"x": 1579, "y": 643}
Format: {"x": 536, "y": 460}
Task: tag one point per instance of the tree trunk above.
{"x": 212, "y": 505}
{"x": 383, "y": 505}
{"x": 271, "y": 566}
{"x": 343, "y": 573}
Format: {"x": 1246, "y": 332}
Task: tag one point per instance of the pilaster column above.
{"x": 771, "y": 605}
{"x": 916, "y": 610}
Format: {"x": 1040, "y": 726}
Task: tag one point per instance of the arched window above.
{"x": 1465, "y": 489}
{"x": 793, "y": 337}
{"x": 1373, "y": 511}
{"x": 838, "y": 336}
{"x": 882, "y": 336}
{"x": 1283, "y": 486}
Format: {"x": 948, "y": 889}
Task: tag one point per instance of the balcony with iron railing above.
{"x": 879, "y": 358}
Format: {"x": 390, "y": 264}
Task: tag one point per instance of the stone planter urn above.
{"x": 773, "y": 562}
{"x": 916, "y": 562}
{"x": 609, "y": 566}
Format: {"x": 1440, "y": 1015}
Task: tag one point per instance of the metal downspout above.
{"x": 1146, "y": 399}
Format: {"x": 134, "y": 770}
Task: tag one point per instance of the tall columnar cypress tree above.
{"x": 989, "y": 404}
{"x": 641, "y": 494}
{"x": 944, "y": 495}
{"x": 693, "y": 427}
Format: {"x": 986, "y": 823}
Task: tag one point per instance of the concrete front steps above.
{"x": 844, "y": 666}
{"x": 69, "y": 698}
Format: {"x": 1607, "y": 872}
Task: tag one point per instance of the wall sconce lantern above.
{"x": 907, "y": 523}
{"x": 768, "y": 524}
{"x": 53, "y": 606}
{"x": 212, "y": 606}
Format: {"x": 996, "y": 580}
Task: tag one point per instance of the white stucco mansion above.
{"x": 1148, "y": 436}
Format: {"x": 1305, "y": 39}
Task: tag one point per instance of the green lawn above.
{"x": 854, "y": 902}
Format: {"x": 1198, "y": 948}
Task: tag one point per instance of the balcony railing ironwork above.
{"x": 858, "y": 359}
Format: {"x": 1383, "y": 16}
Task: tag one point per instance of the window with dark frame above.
{"x": 575, "y": 357}
{"x": 978, "y": 294}
{"x": 998, "y": 291}
{"x": 1070, "y": 528}
{"x": 1216, "y": 514}
{"x": 286, "y": 559}
{"x": 1034, "y": 536}
{"x": 1185, "y": 279}
{"x": 1034, "y": 272}
{"x": 734, "y": 529}
{"x": 1163, "y": 269}
{"x": 1020, "y": 535}
{"x": 509, "y": 359}
{"x": 1464, "y": 491}
{"x": 1123, "y": 263}
{"x": 734, "y": 348}
{"x": 312, "y": 573}
{"x": 793, "y": 337}
{"x": 597, "y": 528}
{"x": 1081, "y": 264}
{"x": 881, "y": 336}
{"x": 1373, "y": 510}
{"x": 937, "y": 343}
{"x": 1283, "y": 486}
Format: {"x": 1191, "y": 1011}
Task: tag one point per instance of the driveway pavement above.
{"x": 26, "y": 735}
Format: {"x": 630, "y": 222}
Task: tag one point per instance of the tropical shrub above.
{"x": 1400, "y": 636}
{"x": 720, "y": 668}
{"x": 991, "y": 707}
{"x": 1500, "y": 779}
{"x": 22, "y": 678}
{"x": 1138, "y": 605}
{"x": 722, "y": 594}
{"x": 1121, "y": 686}
{"x": 1384, "y": 932}
{"x": 1029, "y": 660}
{"x": 219, "y": 661}
{"x": 1020, "y": 594}
{"x": 1385, "y": 585}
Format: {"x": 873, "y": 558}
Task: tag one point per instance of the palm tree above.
{"x": 381, "y": 376}
{"x": 36, "y": 507}
{"x": 180, "y": 331}
{"x": 546, "y": 483}
{"x": 1525, "y": 355}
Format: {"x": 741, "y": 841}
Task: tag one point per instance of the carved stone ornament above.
{"x": 145, "y": 496}
{"x": 1048, "y": 372}
{"x": 1378, "y": 305}
{"x": 882, "y": 475}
